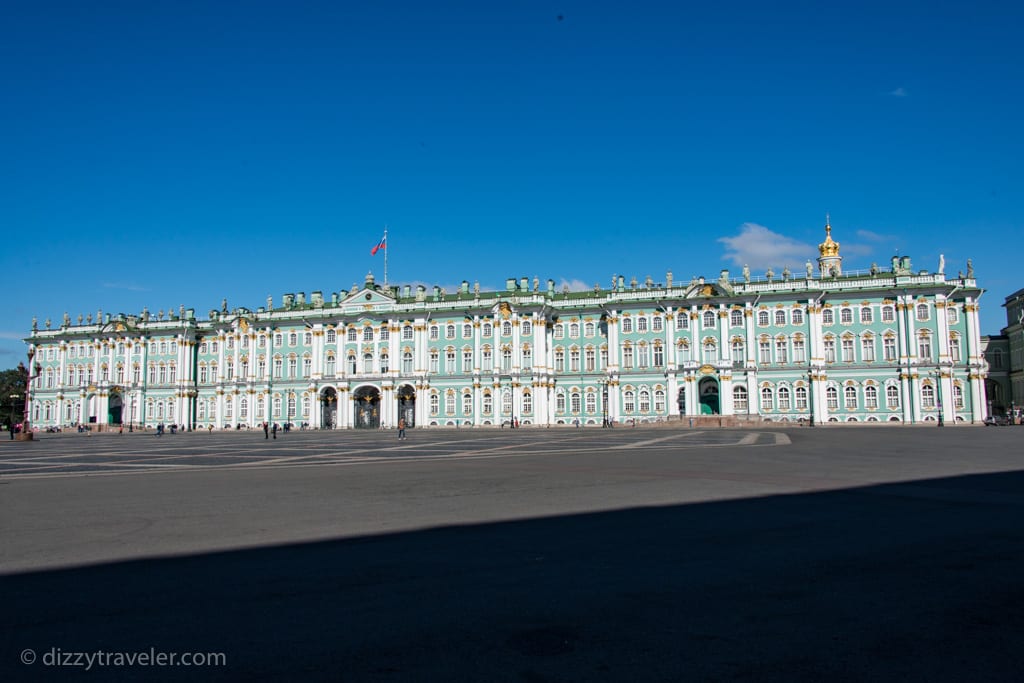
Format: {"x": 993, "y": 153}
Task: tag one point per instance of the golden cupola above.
{"x": 829, "y": 247}
{"x": 830, "y": 263}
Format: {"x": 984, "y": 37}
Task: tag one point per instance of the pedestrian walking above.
{"x": 274, "y": 430}
{"x": 401, "y": 429}
{"x": 266, "y": 431}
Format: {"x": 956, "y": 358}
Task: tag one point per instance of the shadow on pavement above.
{"x": 913, "y": 581}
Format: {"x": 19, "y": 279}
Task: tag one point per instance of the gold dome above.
{"x": 828, "y": 247}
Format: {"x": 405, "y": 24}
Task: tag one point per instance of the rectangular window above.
{"x": 780, "y": 351}
{"x": 847, "y": 350}
{"x": 889, "y": 348}
{"x": 867, "y": 349}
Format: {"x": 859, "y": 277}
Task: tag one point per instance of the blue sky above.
{"x": 165, "y": 153}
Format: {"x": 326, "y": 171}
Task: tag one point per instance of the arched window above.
{"x": 656, "y": 323}
{"x": 710, "y": 351}
{"x": 832, "y": 398}
{"x": 892, "y": 397}
{"x": 645, "y": 401}
{"x": 888, "y": 314}
{"x": 922, "y": 312}
{"x": 798, "y": 316}
{"x": 506, "y": 329}
{"x": 827, "y": 317}
{"x": 629, "y": 401}
{"x": 527, "y": 402}
{"x": 435, "y": 404}
{"x": 870, "y": 397}
{"x": 527, "y": 328}
{"x": 367, "y": 362}
{"x": 766, "y": 400}
{"x": 560, "y": 401}
{"x": 709, "y": 319}
{"x": 927, "y": 396}
{"x": 682, "y": 321}
{"x": 850, "y": 398}
{"x": 780, "y": 317}
{"x": 659, "y": 401}
{"x": 801, "y": 398}
{"x": 846, "y": 316}
{"x": 407, "y": 362}
{"x": 467, "y": 331}
{"x": 449, "y": 331}
{"x": 736, "y": 318}
{"x": 332, "y": 337}
{"x": 762, "y": 318}
{"x": 591, "y": 402}
{"x": 784, "y": 398}
{"x": 467, "y": 404}
{"x": 449, "y": 403}
{"x": 865, "y": 315}
{"x": 367, "y": 334}
{"x": 739, "y": 399}
{"x": 641, "y": 324}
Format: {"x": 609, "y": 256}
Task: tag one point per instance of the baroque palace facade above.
{"x": 824, "y": 345}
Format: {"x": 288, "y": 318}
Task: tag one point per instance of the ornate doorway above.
{"x": 328, "y": 408}
{"x": 115, "y": 408}
{"x": 709, "y": 396}
{"x": 366, "y": 404}
{"x": 407, "y": 404}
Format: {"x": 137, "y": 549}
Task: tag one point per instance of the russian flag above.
{"x": 380, "y": 245}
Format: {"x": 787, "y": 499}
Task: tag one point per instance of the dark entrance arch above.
{"x": 681, "y": 401}
{"x": 115, "y": 408}
{"x": 328, "y": 408}
{"x": 708, "y": 388}
{"x": 407, "y": 404}
{"x": 366, "y": 405}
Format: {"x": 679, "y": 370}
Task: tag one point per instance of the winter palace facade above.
{"x": 888, "y": 345}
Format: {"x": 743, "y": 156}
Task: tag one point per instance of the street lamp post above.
{"x": 15, "y": 398}
{"x": 810, "y": 396}
{"x": 26, "y": 432}
{"x": 604, "y": 402}
{"x": 938, "y": 394}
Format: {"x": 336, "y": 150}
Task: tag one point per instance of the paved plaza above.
{"x": 870, "y": 553}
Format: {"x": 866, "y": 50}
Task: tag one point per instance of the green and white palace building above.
{"x": 825, "y": 345}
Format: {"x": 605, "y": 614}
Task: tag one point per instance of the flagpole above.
{"x": 385, "y": 257}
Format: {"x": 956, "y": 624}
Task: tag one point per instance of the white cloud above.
{"x": 574, "y": 285}
{"x": 869, "y": 236}
{"x": 131, "y": 287}
{"x": 759, "y": 247}
{"x": 898, "y": 92}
